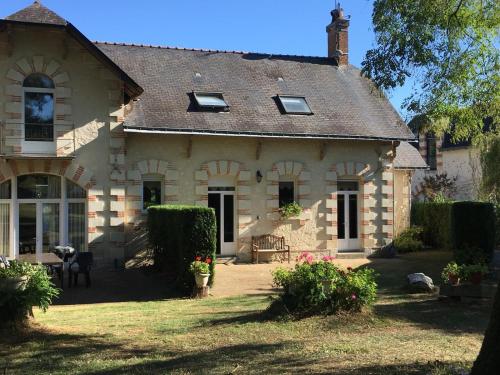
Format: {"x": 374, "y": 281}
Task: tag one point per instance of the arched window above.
{"x": 40, "y": 81}
{"x": 38, "y": 108}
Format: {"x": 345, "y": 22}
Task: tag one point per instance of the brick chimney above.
{"x": 338, "y": 44}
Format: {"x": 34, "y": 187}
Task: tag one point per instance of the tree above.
{"x": 439, "y": 187}
{"x": 449, "y": 49}
{"x": 488, "y": 360}
{"x": 490, "y": 162}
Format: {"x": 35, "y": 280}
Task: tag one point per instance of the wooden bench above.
{"x": 268, "y": 243}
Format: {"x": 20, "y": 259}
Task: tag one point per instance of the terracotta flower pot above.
{"x": 201, "y": 279}
{"x": 476, "y": 278}
{"x": 453, "y": 279}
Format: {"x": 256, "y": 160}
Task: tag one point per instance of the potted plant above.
{"x": 14, "y": 278}
{"x": 474, "y": 273}
{"x": 201, "y": 270}
{"x": 290, "y": 210}
{"x": 451, "y": 273}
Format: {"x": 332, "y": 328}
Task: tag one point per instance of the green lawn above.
{"x": 405, "y": 334}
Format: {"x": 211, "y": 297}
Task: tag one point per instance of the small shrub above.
{"x": 290, "y": 210}
{"x": 322, "y": 287}
{"x": 473, "y": 228}
{"x": 36, "y": 290}
{"x": 409, "y": 240}
{"x": 178, "y": 234}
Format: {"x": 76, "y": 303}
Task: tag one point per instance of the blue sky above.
{"x": 276, "y": 26}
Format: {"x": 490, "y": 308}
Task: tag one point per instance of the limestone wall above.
{"x": 188, "y": 163}
{"x": 88, "y": 105}
{"x": 402, "y": 203}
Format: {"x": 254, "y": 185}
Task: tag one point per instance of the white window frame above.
{"x": 38, "y": 147}
{"x": 63, "y": 214}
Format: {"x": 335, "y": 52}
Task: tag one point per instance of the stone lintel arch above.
{"x": 63, "y": 123}
{"x": 167, "y": 170}
{"x": 299, "y": 173}
{"x": 73, "y": 171}
{"x": 242, "y": 177}
{"x": 355, "y": 170}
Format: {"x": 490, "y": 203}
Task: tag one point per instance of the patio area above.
{"x": 139, "y": 282}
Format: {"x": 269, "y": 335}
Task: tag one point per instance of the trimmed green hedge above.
{"x": 473, "y": 227}
{"x": 180, "y": 233}
{"x": 435, "y": 219}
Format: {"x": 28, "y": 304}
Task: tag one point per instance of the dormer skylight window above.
{"x": 210, "y": 101}
{"x": 294, "y": 105}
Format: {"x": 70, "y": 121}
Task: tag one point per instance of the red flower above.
{"x": 197, "y": 259}
{"x": 208, "y": 261}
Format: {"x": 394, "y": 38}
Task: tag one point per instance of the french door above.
{"x": 221, "y": 199}
{"x": 348, "y": 221}
{"x": 39, "y": 226}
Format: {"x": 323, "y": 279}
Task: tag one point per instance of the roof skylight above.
{"x": 213, "y": 101}
{"x": 294, "y": 105}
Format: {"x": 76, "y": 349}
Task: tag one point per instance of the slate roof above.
{"x": 37, "y": 13}
{"x": 408, "y": 157}
{"x": 345, "y": 105}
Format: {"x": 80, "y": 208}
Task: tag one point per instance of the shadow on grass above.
{"x": 129, "y": 285}
{"x": 431, "y": 313}
{"x": 238, "y": 359}
{"x": 34, "y": 350}
{"x": 428, "y": 368}
{"x": 39, "y": 352}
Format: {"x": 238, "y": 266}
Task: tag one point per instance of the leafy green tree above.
{"x": 449, "y": 48}
{"x": 490, "y": 166}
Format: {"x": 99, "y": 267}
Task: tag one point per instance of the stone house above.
{"x": 93, "y": 133}
{"x": 459, "y": 160}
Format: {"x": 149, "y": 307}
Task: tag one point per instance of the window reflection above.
{"x": 38, "y": 186}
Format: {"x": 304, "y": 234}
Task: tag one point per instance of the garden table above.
{"x": 46, "y": 259}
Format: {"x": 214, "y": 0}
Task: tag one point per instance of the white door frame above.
{"x": 39, "y": 220}
{"x": 38, "y": 147}
{"x": 347, "y": 243}
{"x": 226, "y": 248}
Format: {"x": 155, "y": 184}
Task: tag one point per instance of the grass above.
{"x": 404, "y": 334}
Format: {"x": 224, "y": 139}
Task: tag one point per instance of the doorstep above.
{"x": 351, "y": 255}
{"x": 227, "y": 260}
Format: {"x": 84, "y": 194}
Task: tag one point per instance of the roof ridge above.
{"x": 204, "y": 49}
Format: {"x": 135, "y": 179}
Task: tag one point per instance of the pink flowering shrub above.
{"x": 322, "y": 286}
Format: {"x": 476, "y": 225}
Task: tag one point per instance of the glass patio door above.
{"x": 222, "y": 201}
{"x": 39, "y": 227}
{"x": 348, "y": 216}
